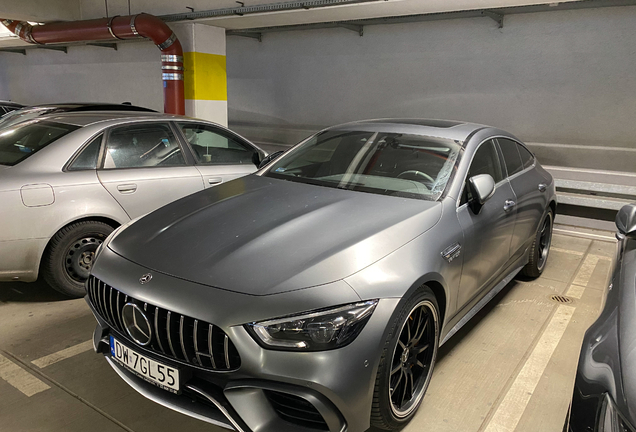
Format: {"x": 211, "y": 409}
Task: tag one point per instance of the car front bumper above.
{"x": 338, "y": 384}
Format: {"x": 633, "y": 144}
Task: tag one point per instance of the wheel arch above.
{"x": 95, "y": 218}
{"x": 437, "y": 285}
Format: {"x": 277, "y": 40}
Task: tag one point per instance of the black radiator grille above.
{"x": 173, "y": 335}
{"x": 296, "y": 410}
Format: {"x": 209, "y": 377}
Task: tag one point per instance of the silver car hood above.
{"x": 259, "y": 236}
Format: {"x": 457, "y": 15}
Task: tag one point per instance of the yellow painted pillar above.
{"x": 205, "y": 77}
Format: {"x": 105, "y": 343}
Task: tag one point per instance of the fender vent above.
{"x": 560, "y": 299}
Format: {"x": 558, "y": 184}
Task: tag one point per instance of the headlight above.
{"x": 314, "y": 331}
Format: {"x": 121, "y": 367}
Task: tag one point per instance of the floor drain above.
{"x": 560, "y": 299}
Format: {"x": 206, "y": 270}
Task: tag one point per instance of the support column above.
{"x": 205, "y": 77}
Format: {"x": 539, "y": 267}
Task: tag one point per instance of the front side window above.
{"x": 21, "y": 141}
{"x": 213, "y": 147}
{"x": 511, "y": 155}
{"x": 386, "y": 163}
{"x": 142, "y": 145}
{"x": 485, "y": 161}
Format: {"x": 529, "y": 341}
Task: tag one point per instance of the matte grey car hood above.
{"x": 259, "y": 236}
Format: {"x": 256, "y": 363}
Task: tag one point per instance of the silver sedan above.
{"x": 67, "y": 180}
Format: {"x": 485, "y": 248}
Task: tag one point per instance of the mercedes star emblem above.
{"x": 145, "y": 278}
{"x": 136, "y": 323}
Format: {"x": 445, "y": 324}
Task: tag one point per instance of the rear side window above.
{"x": 511, "y": 155}
{"x": 526, "y": 156}
{"x": 142, "y": 145}
{"x": 21, "y": 141}
{"x": 87, "y": 159}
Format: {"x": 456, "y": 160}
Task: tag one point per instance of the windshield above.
{"x": 21, "y": 141}
{"x": 412, "y": 166}
{"x": 21, "y": 115}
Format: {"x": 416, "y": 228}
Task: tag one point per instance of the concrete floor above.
{"x": 510, "y": 368}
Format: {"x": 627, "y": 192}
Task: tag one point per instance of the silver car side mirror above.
{"x": 482, "y": 188}
{"x": 626, "y": 220}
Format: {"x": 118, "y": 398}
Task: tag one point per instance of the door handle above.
{"x": 509, "y": 205}
{"x": 542, "y": 187}
{"x": 127, "y": 188}
{"x": 215, "y": 180}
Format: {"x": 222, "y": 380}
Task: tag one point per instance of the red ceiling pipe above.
{"x": 118, "y": 27}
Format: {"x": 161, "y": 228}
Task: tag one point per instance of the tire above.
{"x": 540, "y": 248}
{"x": 68, "y": 258}
{"x": 392, "y": 408}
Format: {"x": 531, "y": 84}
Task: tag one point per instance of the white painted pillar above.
{"x": 205, "y": 77}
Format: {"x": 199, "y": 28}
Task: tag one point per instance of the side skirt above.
{"x": 481, "y": 303}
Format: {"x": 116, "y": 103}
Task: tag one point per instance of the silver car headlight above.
{"x": 314, "y": 331}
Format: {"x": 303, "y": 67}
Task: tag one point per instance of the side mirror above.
{"x": 267, "y": 159}
{"x": 626, "y": 220}
{"x": 482, "y": 188}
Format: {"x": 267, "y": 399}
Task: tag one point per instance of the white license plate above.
{"x": 155, "y": 373}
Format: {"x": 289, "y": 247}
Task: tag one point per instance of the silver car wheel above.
{"x": 412, "y": 359}
{"x": 79, "y": 258}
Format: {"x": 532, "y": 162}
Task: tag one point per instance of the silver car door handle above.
{"x": 215, "y": 180}
{"x": 509, "y": 205}
{"x": 542, "y": 187}
{"x": 127, "y": 188}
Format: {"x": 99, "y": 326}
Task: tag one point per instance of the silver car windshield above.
{"x": 21, "y": 141}
{"x": 412, "y": 166}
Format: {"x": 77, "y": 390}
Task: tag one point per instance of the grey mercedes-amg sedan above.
{"x": 314, "y": 293}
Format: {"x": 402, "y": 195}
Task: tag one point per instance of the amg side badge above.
{"x": 452, "y": 252}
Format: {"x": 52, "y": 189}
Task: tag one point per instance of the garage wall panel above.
{"x": 552, "y": 77}
{"x": 85, "y": 74}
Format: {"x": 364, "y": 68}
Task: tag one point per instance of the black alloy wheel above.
{"x": 407, "y": 361}
{"x": 540, "y": 249}
{"x": 413, "y": 359}
{"x": 545, "y": 238}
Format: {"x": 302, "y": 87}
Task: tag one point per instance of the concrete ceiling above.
{"x": 56, "y": 10}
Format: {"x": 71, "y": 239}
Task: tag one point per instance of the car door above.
{"x": 219, "y": 155}
{"x": 488, "y": 233}
{"x": 144, "y": 167}
{"x": 529, "y": 187}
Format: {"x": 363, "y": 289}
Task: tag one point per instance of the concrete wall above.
{"x": 85, "y": 74}
{"x": 557, "y": 77}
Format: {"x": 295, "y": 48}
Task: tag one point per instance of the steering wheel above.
{"x": 417, "y": 176}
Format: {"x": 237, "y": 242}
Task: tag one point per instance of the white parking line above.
{"x": 48, "y": 360}
{"x": 514, "y": 403}
{"x": 567, "y": 251}
{"x": 575, "y": 291}
{"x": 20, "y": 378}
{"x": 586, "y": 270}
